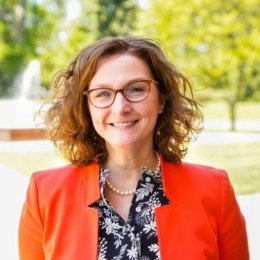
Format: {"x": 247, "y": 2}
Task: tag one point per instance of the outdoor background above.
{"x": 215, "y": 43}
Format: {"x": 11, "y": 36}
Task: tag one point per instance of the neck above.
{"x": 130, "y": 160}
{"x": 123, "y": 178}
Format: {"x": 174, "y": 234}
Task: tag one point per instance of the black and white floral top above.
{"x": 136, "y": 238}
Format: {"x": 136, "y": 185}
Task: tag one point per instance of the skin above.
{"x": 126, "y": 127}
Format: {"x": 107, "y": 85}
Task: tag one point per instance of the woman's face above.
{"x": 124, "y": 123}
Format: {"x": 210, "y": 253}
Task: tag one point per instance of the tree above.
{"x": 12, "y": 22}
{"x": 116, "y": 17}
{"x": 43, "y": 30}
{"x": 216, "y": 42}
{"x": 97, "y": 19}
{"x": 24, "y": 28}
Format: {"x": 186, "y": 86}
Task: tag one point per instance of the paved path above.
{"x": 241, "y": 125}
{"x": 13, "y": 187}
{"x": 250, "y": 206}
{"x": 218, "y": 137}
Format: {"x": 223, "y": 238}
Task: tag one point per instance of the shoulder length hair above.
{"x": 68, "y": 118}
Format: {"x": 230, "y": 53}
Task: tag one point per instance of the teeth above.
{"x": 125, "y": 124}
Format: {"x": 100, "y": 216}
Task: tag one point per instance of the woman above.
{"x": 123, "y": 115}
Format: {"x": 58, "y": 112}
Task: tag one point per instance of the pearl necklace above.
{"x": 131, "y": 192}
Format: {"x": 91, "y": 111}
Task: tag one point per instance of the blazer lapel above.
{"x": 89, "y": 229}
{"x": 166, "y": 220}
{"x": 90, "y": 184}
{"x": 179, "y": 225}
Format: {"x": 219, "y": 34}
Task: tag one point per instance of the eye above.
{"x": 136, "y": 88}
{"x": 102, "y": 93}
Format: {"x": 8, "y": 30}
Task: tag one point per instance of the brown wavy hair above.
{"x": 68, "y": 118}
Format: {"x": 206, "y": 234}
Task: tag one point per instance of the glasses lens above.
{"x": 136, "y": 91}
{"x": 101, "y": 97}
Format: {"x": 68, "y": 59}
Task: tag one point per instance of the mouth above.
{"x": 124, "y": 124}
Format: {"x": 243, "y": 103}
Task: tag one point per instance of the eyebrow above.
{"x": 105, "y": 85}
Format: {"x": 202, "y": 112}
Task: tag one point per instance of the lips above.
{"x": 124, "y": 124}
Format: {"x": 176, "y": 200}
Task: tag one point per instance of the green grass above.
{"x": 241, "y": 160}
{"x": 219, "y": 110}
{"x": 29, "y": 162}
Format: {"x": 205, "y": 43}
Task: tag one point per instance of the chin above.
{"x": 123, "y": 143}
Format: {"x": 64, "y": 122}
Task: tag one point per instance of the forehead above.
{"x": 121, "y": 67}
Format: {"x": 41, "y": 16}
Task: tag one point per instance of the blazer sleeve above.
{"x": 232, "y": 228}
{"x": 31, "y": 226}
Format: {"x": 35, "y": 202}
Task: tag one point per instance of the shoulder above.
{"x": 63, "y": 179}
{"x": 202, "y": 177}
{"x": 192, "y": 171}
{"x": 52, "y": 179}
{"x": 202, "y": 171}
{"x": 64, "y": 173}
{"x": 194, "y": 180}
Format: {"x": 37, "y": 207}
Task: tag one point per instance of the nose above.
{"x": 120, "y": 104}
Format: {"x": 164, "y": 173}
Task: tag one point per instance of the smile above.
{"x": 124, "y": 124}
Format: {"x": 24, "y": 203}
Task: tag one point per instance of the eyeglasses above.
{"x": 133, "y": 92}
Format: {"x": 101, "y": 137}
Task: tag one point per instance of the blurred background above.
{"x": 215, "y": 43}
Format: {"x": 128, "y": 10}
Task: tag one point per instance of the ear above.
{"x": 162, "y": 106}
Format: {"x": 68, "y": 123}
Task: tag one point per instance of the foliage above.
{"x": 97, "y": 19}
{"x": 24, "y": 27}
{"x": 216, "y": 42}
{"x": 44, "y": 30}
{"x": 115, "y": 17}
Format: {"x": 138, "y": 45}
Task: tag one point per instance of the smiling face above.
{"x": 125, "y": 123}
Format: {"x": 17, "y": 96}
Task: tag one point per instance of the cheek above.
{"x": 94, "y": 113}
{"x": 96, "y": 117}
{"x": 97, "y": 125}
{"x": 154, "y": 105}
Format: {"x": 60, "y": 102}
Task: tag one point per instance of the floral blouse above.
{"x": 135, "y": 239}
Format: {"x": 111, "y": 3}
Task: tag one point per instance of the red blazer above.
{"x": 203, "y": 220}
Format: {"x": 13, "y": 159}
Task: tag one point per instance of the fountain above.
{"x": 18, "y": 116}
{"x": 30, "y": 86}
